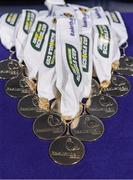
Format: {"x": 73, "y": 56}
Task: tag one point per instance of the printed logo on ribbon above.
{"x": 49, "y": 60}
{"x": 29, "y": 20}
{"x": 104, "y": 40}
{"x": 115, "y": 17}
{"x": 73, "y": 62}
{"x": 85, "y": 53}
{"x": 12, "y": 18}
{"x": 39, "y": 36}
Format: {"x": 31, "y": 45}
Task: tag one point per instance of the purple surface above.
{"x": 22, "y": 155}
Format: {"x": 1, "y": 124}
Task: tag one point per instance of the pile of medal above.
{"x": 65, "y": 65}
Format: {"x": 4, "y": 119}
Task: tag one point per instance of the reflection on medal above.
{"x": 9, "y": 68}
{"x": 17, "y": 87}
{"x": 119, "y": 86}
{"x": 28, "y": 106}
{"x": 126, "y": 66}
{"x": 102, "y": 106}
{"x": 49, "y": 126}
{"x": 66, "y": 150}
{"x": 90, "y": 128}
{"x": 95, "y": 88}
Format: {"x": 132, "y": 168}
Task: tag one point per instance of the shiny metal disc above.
{"x": 66, "y": 150}
{"x": 119, "y": 86}
{"x": 95, "y": 88}
{"x": 103, "y": 106}
{"x": 17, "y": 87}
{"x": 9, "y": 68}
{"x": 28, "y": 106}
{"x": 90, "y": 128}
{"x": 49, "y": 126}
{"x": 126, "y": 66}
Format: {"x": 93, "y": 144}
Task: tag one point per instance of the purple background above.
{"x": 22, "y": 155}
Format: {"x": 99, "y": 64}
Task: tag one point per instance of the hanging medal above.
{"x": 35, "y": 59}
{"x": 20, "y": 86}
{"x": 126, "y": 62}
{"x": 119, "y": 85}
{"x": 9, "y": 67}
{"x": 49, "y": 125}
{"x": 103, "y": 106}
{"x": 83, "y": 128}
{"x": 69, "y": 83}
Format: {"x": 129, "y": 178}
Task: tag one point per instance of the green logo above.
{"x": 49, "y": 60}
{"x": 39, "y": 36}
{"x": 104, "y": 40}
{"x": 12, "y": 18}
{"x": 29, "y": 20}
{"x": 73, "y": 62}
{"x": 115, "y": 17}
{"x": 85, "y": 53}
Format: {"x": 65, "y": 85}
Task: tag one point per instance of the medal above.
{"x": 49, "y": 126}
{"x": 90, "y": 128}
{"x": 95, "y": 88}
{"x": 102, "y": 106}
{"x": 66, "y": 150}
{"x": 119, "y": 86}
{"x": 17, "y": 87}
{"x": 9, "y": 68}
{"x": 126, "y": 66}
{"x": 28, "y": 106}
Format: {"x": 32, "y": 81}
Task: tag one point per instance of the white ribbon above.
{"x": 117, "y": 23}
{"x": 35, "y": 47}
{"x": 84, "y": 19}
{"x": 98, "y": 16}
{"x": 8, "y": 23}
{"x": 46, "y": 74}
{"x": 116, "y": 39}
{"x": 23, "y": 28}
{"x": 68, "y": 63}
{"x": 51, "y": 3}
{"x": 103, "y": 51}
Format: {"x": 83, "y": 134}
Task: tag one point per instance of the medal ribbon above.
{"x": 24, "y": 26}
{"x": 68, "y": 63}
{"x": 7, "y": 29}
{"x": 46, "y": 74}
{"x": 102, "y": 52}
{"x": 98, "y": 16}
{"x": 85, "y": 23}
{"x": 35, "y": 47}
{"x": 118, "y": 25}
{"x": 51, "y": 3}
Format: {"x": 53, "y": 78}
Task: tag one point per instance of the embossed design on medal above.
{"x": 49, "y": 125}
{"x": 66, "y": 150}
{"x": 119, "y": 86}
{"x": 28, "y": 106}
{"x": 17, "y": 87}
{"x": 102, "y": 105}
{"x": 9, "y": 67}
{"x": 126, "y": 62}
{"x": 90, "y": 128}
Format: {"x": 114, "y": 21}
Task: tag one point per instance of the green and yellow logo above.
{"x": 104, "y": 40}
{"x": 115, "y": 17}
{"x": 39, "y": 36}
{"x": 85, "y": 53}
{"x": 73, "y": 62}
{"x": 29, "y": 20}
{"x": 12, "y": 18}
{"x": 49, "y": 60}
